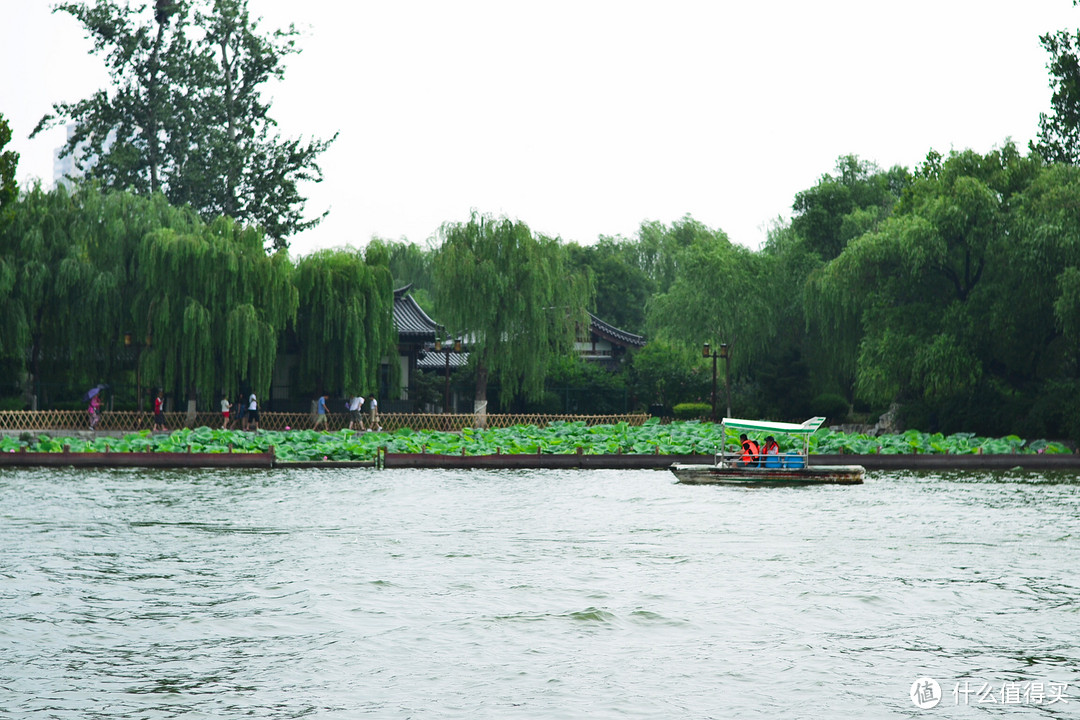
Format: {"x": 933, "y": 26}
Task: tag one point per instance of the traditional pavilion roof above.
{"x": 413, "y": 324}
{"x": 411, "y": 321}
{"x": 437, "y": 360}
{"x": 614, "y": 334}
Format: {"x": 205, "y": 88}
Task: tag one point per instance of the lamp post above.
{"x": 446, "y": 350}
{"x": 727, "y": 374}
{"x": 710, "y": 353}
{"x": 722, "y": 353}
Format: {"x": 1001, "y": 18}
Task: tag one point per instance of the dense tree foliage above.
{"x": 959, "y": 294}
{"x": 215, "y": 304}
{"x": 9, "y": 161}
{"x": 961, "y": 302}
{"x": 10, "y": 327}
{"x": 102, "y": 285}
{"x": 71, "y": 254}
{"x": 1059, "y": 130}
{"x": 954, "y": 291}
{"x": 622, "y": 287}
{"x": 344, "y": 326}
{"x": 845, "y": 205}
{"x": 410, "y": 265}
{"x": 665, "y": 374}
{"x": 186, "y": 116}
{"x": 721, "y": 294}
{"x": 513, "y": 294}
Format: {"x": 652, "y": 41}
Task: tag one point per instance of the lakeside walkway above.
{"x": 122, "y": 422}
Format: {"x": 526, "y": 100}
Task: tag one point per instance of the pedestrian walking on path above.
{"x": 159, "y": 413}
{"x": 375, "y": 414}
{"x": 253, "y": 413}
{"x": 356, "y": 412}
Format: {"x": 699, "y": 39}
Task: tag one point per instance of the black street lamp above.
{"x": 727, "y": 375}
{"x": 709, "y": 353}
{"x": 723, "y": 353}
{"x": 446, "y": 350}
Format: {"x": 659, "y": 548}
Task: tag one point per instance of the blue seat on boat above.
{"x": 793, "y": 460}
{"x": 772, "y": 461}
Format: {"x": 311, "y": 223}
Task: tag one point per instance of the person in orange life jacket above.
{"x": 751, "y": 452}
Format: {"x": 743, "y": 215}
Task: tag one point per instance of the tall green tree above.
{"x": 70, "y": 252}
{"x": 660, "y": 246}
{"x": 410, "y": 265}
{"x": 344, "y": 325}
{"x": 511, "y": 294}
{"x": 795, "y": 369}
{"x": 9, "y": 191}
{"x": 845, "y": 205}
{"x": 111, "y": 227}
{"x": 721, "y": 295}
{"x": 41, "y": 253}
{"x": 938, "y": 286}
{"x": 9, "y": 162}
{"x": 622, "y": 288}
{"x": 1044, "y": 302}
{"x": 1059, "y": 130}
{"x": 186, "y": 116}
{"x": 214, "y": 304}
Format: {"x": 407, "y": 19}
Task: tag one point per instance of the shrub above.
{"x": 692, "y": 411}
{"x": 13, "y": 403}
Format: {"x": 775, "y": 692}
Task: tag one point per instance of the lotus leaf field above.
{"x": 677, "y": 438}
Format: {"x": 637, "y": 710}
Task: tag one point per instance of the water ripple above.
{"x": 544, "y": 594}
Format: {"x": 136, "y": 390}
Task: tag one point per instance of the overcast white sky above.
{"x": 586, "y": 117}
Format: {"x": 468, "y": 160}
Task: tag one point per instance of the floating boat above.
{"x": 791, "y": 468}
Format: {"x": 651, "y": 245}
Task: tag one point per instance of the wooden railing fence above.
{"x": 49, "y": 420}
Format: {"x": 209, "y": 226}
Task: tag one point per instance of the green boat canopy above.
{"x": 807, "y": 428}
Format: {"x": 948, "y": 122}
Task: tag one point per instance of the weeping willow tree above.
{"x": 512, "y": 296}
{"x": 115, "y": 225}
{"x": 213, "y": 304}
{"x": 722, "y": 293}
{"x": 344, "y": 324}
{"x": 45, "y": 264}
{"x": 50, "y": 322}
{"x": 68, "y": 275}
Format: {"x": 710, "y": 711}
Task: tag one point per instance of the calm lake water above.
{"x": 534, "y": 594}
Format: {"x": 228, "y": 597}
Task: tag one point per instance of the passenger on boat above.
{"x": 770, "y": 452}
{"x": 751, "y": 452}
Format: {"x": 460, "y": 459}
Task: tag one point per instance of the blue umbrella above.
{"x": 93, "y": 391}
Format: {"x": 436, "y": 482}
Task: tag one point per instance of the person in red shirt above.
{"x": 159, "y": 414}
{"x": 770, "y": 453}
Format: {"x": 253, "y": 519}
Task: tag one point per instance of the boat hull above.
{"x": 755, "y": 476}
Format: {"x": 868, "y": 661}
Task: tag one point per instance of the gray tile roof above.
{"x": 414, "y": 324}
{"x": 614, "y": 334}
{"x": 411, "y": 321}
{"x": 437, "y": 360}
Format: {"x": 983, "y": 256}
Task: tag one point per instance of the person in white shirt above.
{"x": 253, "y": 412}
{"x": 375, "y": 414}
{"x": 356, "y": 409}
